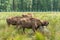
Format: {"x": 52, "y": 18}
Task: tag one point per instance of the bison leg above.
{"x": 17, "y": 27}
{"x": 33, "y": 28}
{"x": 23, "y": 30}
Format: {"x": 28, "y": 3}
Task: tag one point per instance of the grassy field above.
{"x": 10, "y": 33}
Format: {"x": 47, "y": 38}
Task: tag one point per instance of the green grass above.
{"x": 9, "y": 33}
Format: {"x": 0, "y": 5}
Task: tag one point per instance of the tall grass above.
{"x": 10, "y": 33}
{"x": 39, "y": 36}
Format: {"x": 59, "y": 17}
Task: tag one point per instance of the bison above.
{"x": 26, "y": 22}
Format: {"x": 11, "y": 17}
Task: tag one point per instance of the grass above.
{"x": 10, "y": 33}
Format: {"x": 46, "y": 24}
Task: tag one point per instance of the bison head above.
{"x": 44, "y": 29}
{"x": 45, "y": 23}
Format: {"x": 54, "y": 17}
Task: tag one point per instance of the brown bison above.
{"x": 26, "y": 22}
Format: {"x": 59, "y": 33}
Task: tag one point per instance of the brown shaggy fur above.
{"x": 12, "y": 20}
{"x": 28, "y": 15}
{"x": 26, "y": 22}
{"x": 30, "y": 23}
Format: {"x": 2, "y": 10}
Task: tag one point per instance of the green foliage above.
{"x": 39, "y": 36}
{"x": 29, "y": 5}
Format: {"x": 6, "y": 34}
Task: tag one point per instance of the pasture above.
{"x": 10, "y": 33}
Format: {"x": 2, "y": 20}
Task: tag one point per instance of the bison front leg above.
{"x": 17, "y": 27}
{"x": 23, "y": 30}
{"x": 33, "y": 28}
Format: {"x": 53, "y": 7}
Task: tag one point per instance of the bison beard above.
{"x": 44, "y": 26}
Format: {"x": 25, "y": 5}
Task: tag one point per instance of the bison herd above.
{"x": 27, "y": 21}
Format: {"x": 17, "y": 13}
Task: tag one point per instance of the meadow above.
{"x": 10, "y": 33}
